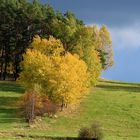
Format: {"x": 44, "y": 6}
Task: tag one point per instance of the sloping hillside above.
{"x": 114, "y": 104}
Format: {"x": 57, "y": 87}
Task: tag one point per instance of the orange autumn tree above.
{"x": 49, "y": 70}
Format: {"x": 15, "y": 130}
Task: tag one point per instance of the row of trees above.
{"x": 56, "y": 56}
{"x": 22, "y": 20}
{"x": 50, "y": 74}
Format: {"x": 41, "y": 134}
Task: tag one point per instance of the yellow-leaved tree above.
{"x": 47, "y": 69}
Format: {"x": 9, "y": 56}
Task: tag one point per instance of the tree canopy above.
{"x": 63, "y": 78}
{"x": 21, "y": 20}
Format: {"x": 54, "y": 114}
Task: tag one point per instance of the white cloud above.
{"x": 126, "y": 37}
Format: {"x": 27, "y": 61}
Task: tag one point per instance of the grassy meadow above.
{"x": 116, "y": 105}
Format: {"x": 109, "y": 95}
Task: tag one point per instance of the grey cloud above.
{"x": 109, "y": 12}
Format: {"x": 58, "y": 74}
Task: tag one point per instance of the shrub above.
{"x": 85, "y": 133}
{"x": 48, "y": 108}
{"x": 30, "y": 105}
{"x": 33, "y": 105}
{"x": 94, "y": 132}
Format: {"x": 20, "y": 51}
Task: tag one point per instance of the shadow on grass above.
{"x": 8, "y": 109}
{"x": 8, "y": 115}
{"x": 8, "y": 101}
{"x": 11, "y": 87}
{"x": 55, "y": 138}
{"x": 128, "y": 88}
{"x": 119, "y": 82}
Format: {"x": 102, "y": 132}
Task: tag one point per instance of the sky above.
{"x": 122, "y": 17}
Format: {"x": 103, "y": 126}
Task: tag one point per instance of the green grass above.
{"x": 114, "y": 104}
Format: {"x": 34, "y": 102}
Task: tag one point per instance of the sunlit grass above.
{"x": 114, "y": 104}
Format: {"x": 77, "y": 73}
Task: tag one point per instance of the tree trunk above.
{"x": 15, "y": 72}
{"x": 1, "y": 70}
{"x": 1, "y": 74}
{"x": 5, "y": 71}
{"x": 33, "y": 108}
{"x": 62, "y": 105}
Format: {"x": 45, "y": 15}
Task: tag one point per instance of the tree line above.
{"x": 21, "y": 20}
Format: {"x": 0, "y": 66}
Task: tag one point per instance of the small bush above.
{"x": 33, "y": 105}
{"x": 48, "y": 108}
{"x": 85, "y": 133}
{"x": 92, "y": 133}
{"x": 96, "y": 131}
{"x": 30, "y": 104}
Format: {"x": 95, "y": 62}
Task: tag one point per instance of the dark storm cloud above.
{"x": 109, "y": 12}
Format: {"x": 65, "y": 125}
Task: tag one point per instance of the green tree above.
{"x": 83, "y": 45}
{"x": 30, "y": 18}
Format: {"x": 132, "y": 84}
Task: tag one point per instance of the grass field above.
{"x": 114, "y": 104}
